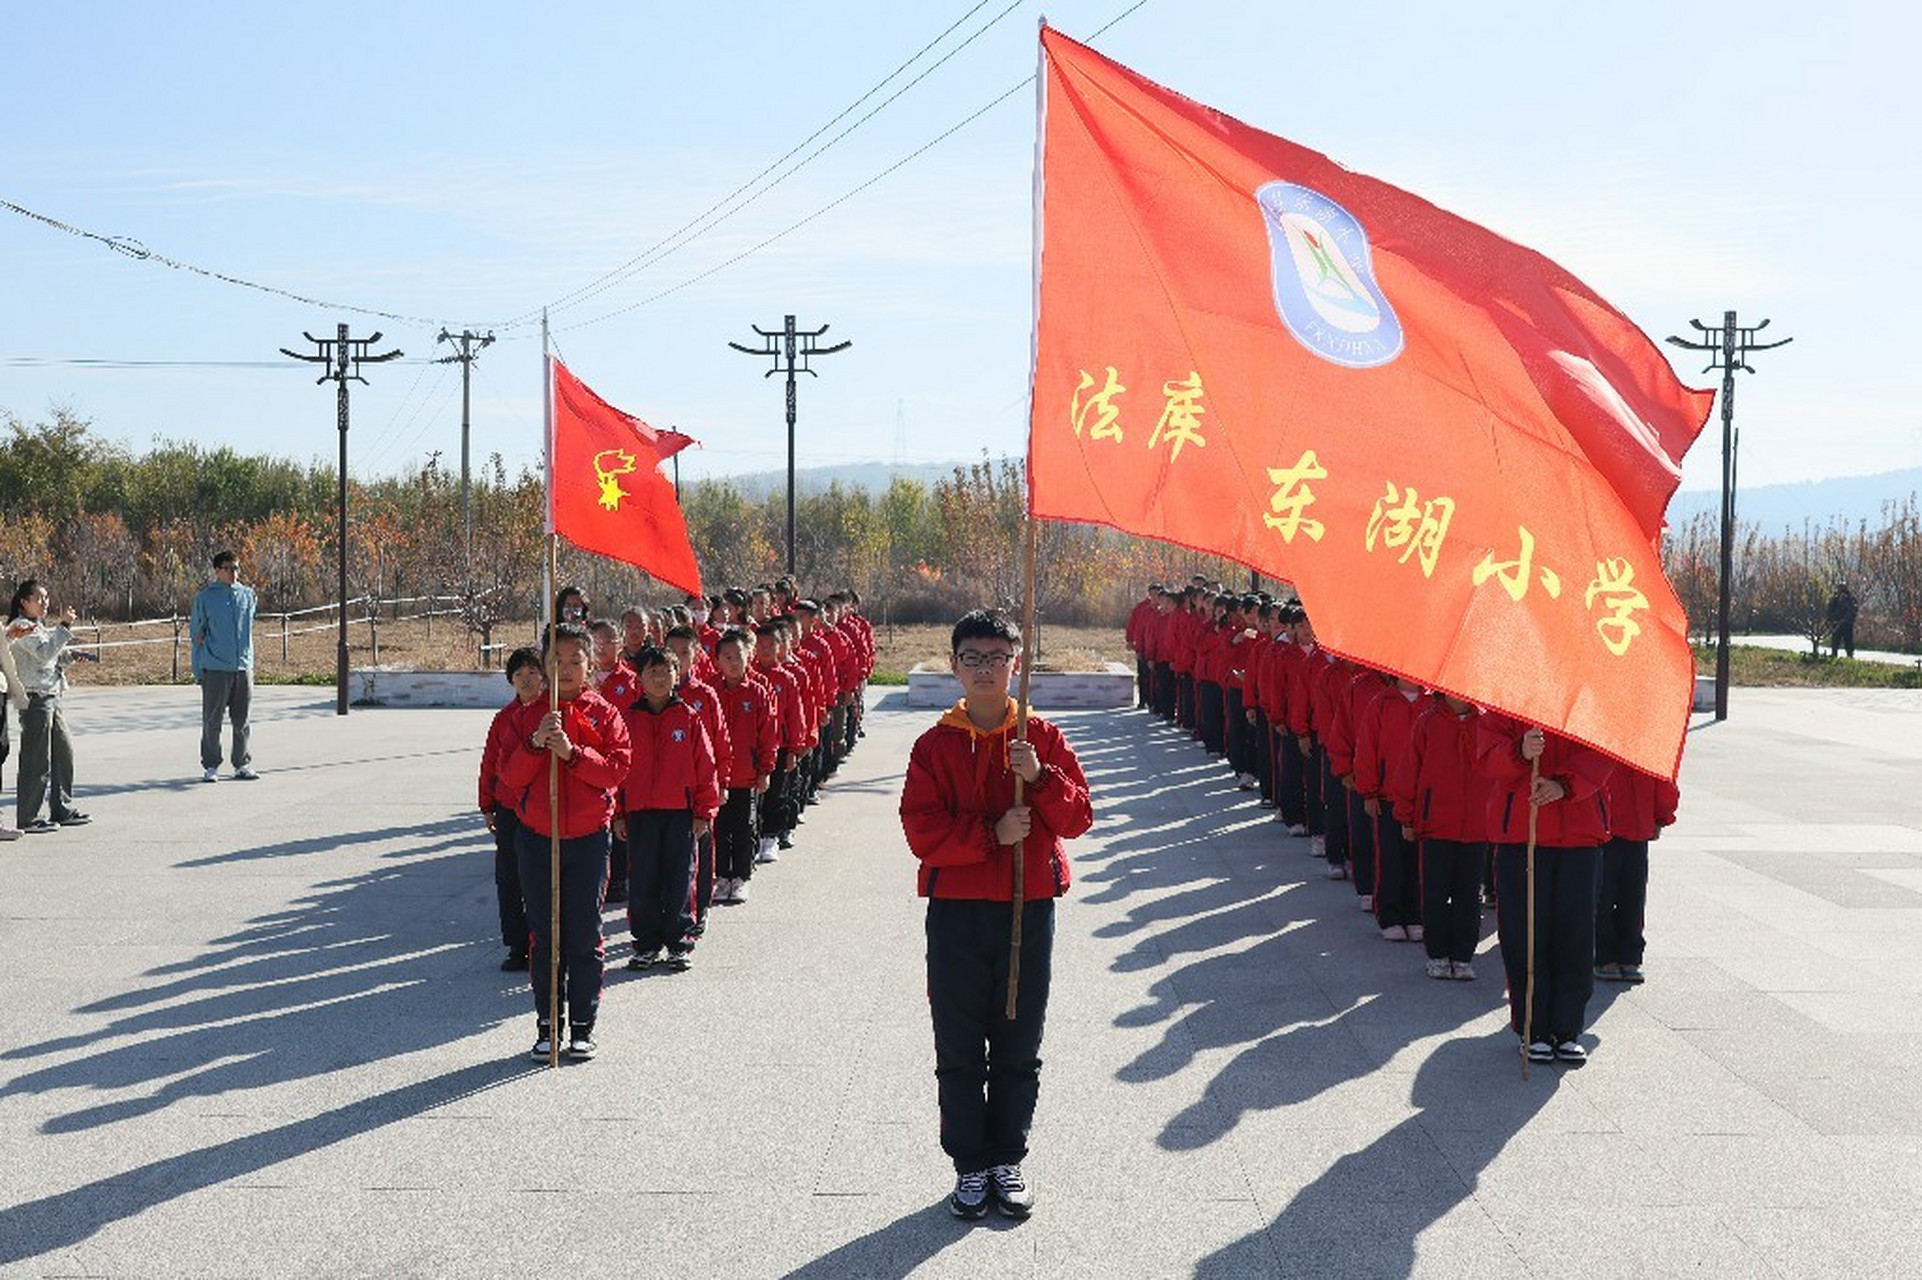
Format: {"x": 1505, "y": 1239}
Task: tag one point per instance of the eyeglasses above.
{"x": 974, "y": 661}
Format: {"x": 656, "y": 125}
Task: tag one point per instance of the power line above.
{"x": 132, "y": 248}
{"x": 701, "y": 223}
{"x": 837, "y": 202}
{"x": 52, "y": 362}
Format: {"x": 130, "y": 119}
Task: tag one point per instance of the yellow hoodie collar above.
{"x": 957, "y": 717}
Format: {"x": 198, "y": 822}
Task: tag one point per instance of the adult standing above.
{"x": 1841, "y": 616}
{"x": 46, "y": 750}
{"x": 223, "y": 663}
{"x": 16, "y": 697}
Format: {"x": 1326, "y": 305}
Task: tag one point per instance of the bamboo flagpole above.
{"x": 1528, "y": 990}
{"x": 553, "y": 707}
{"x": 1018, "y": 897}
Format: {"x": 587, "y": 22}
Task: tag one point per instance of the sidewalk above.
{"x": 1800, "y": 644}
{"x": 258, "y": 1030}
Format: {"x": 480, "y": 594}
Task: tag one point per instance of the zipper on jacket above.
{"x": 1508, "y": 809}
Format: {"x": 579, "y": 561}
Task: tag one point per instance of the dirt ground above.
{"x": 443, "y": 644}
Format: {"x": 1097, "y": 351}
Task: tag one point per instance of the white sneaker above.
{"x": 1317, "y": 846}
{"x": 739, "y": 894}
{"x": 1414, "y": 933}
{"x": 1296, "y": 829}
{"x": 245, "y": 773}
{"x": 1337, "y": 871}
{"x": 1367, "y": 901}
{"x": 8, "y": 831}
{"x": 1394, "y": 933}
{"x": 210, "y": 775}
{"x": 768, "y": 852}
{"x": 1440, "y": 969}
{"x": 1462, "y": 971}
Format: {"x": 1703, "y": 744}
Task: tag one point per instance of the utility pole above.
{"x": 467, "y": 345}
{"x": 342, "y": 356}
{"x": 791, "y": 349}
{"x": 1728, "y": 351}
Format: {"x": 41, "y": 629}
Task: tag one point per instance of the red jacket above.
{"x": 619, "y": 686}
{"x": 959, "y": 784}
{"x": 674, "y": 766}
{"x": 1182, "y": 637}
{"x": 1139, "y": 619}
{"x": 1578, "y": 820}
{"x": 502, "y": 737}
{"x": 1640, "y": 804}
{"x": 1434, "y": 784}
{"x": 790, "y": 706}
{"x": 587, "y": 782}
{"x": 1337, "y": 687}
{"x": 1211, "y": 654}
{"x": 752, "y": 731}
{"x": 706, "y": 706}
{"x": 809, "y": 688}
{"x": 1277, "y": 680}
{"x": 1301, "y": 689}
{"x": 1380, "y": 735}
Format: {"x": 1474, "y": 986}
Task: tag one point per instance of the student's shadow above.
{"x": 897, "y": 1250}
{"x": 1362, "y": 1216}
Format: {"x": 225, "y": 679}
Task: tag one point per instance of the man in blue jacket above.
{"x": 223, "y": 660}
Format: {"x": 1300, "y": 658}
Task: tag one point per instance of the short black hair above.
{"x": 225, "y": 560}
{"x": 680, "y": 631}
{"x": 525, "y": 656}
{"x": 772, "y": 630}
{"x": 654, "y": 655}
{"x": 734, "y": 635}
{"x": 603, "y": 627}
{"x": 986, "y": 624}
{"x": 566, "y": 631}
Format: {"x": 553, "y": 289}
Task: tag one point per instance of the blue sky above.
{"x": 467, "y": 163}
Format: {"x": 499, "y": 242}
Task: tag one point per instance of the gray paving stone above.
{"x": 269, "y": 1037}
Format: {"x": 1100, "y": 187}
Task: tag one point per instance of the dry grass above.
{"x": 445, "y": 645}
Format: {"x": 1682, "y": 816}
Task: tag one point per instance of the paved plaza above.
{"x": 259, "y": 1030}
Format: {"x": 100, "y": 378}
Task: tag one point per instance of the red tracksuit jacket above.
{"x": 1578, "y": 820}
{"x": 1639, "y": 804}
{"x": 753, "y": 733}
{"x": 958, "y": 786}
{"x": 587, "y": 782}
{"x": 673, "y": 763}
{"x": 1434, "y": 784}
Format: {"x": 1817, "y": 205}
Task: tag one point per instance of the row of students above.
{"x": 1420, "y": 800}
{"x": 683, "y": 764}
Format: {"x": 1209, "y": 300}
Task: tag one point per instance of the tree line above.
{"x": 130, "y": 535}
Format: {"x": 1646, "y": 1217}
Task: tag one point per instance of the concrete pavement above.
{"x": 258, "y": 1029}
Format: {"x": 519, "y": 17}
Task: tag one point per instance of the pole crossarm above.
{"x": 790, "y": 349}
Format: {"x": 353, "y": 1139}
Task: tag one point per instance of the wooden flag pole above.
{"x": 1018, "y": 897}
{"x": 553, "y": 705}
{"x": 1528, "y": 995}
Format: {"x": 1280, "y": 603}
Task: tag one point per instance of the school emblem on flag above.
{"x": 1324, "y": 278}
{"x": 609, "y": 466}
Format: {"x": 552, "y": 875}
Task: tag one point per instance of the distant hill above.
{"x": 875, "y": 477}
{"x": 1775, "y": 507}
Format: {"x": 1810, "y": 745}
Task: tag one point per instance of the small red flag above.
{"x": 605, "y": 490}
{"x": 1455, "y": 450}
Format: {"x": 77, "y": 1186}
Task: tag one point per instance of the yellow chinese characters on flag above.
{"x": 1456, "y": 451}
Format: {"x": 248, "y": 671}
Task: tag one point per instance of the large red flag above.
{"x": 605, "y": 490}
{"x": 1457, "y": 452}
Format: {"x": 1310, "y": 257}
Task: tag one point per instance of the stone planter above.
{"x": 393, "y": 687}
{"x": 1113, "y": 686}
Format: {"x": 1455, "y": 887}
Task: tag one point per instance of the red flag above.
{"x": 1457, "y": 452}
{"x": 605, "y": 490}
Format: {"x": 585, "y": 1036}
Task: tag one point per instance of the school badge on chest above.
{"x": 678, "y": 735}
{"x": 1324, "y": 278}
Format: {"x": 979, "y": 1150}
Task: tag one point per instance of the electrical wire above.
{"x": 703, "y": 223}
{"x": 837, "y": 202}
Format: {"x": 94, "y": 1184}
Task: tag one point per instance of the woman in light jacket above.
{"x": 46, "y": 750}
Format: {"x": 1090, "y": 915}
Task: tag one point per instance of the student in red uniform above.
{"x": 747, "y": 706}
{"x": 1571, "y": 824}
{"x": 589, "y": 739}
{"x": 1440, "y": 801}
{"x": 790, "y": 702}
{"x": 1140, "y": 618}
{"x": 1639, "y": 806}
{"x": 1384, "y": 729}
{"x": 497, "y": 804}
{"x": 697, "y": 691}
{"x": 671, "y": 795}
{"x": 961, "y": 821}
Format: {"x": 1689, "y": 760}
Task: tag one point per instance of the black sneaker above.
{"x": 1541, "y": 1051}
{"x": 644, "y": 959}
{"x": 1571, "y": 1052}
{"x": 580, "y": 1044}
{"x": 1012, "y": 1194}
{"x": 969, "y": 1199}
{"x": 516, "y": 962}
{"x": 74, "y": 819}
{"x": 543, "y": 1043}
{"x": 40, "y": 827}
{"x": 678, "y": 961}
